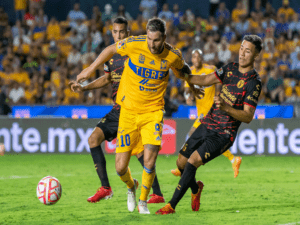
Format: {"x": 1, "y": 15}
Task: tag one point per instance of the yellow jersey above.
{"x": 145, "y": 76}
{"x": 203, "y": 105}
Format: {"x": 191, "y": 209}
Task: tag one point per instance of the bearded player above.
{"x": 141, "y": 96}
{"x": 236, "y": 103}
{"x": 107, "y": 127}
{"x": 203, "y": 106}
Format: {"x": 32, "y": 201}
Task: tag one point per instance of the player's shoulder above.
{"x": 174, "y": 50}
{"x": 140, "y": 38}
{"x": 209, "y": 67}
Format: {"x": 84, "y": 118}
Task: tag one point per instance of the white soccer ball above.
{"x": 49, "y": 190}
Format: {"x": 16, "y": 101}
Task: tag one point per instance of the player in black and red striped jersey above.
{"x": 236, "y": 103}
{"x": 107, "y": 127}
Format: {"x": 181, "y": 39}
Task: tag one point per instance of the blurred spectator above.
{"x": 121, "y": 12}
{"x": 270, "y": 11}
{"x": 74, "y": 56}
{"x": 96, "y": 14}
{"x": 224, "y": 54}
{"x": 294, "y": 25}
{"x": 53, "y": 30}
{"x": 166, "y": 13}
{"x": 213, "y": 6}
{"x": 286, "y": 10}
{"x": 238, "y": 11}
{"x": 81, "y": 28}
{"x": 41, "y": 17}
{"x": 108, "y": 13}
{"x": 16, "y": 93}
{"x": 275, "y": 89}
{"x": 295, "y": 57}
{"x": 258, "y": 8}
{"x": 17, "y": 28}
{"x": 29, "y": 17}
{"x": 282, "y": 26}
{"x": 3, "y": 17}
{"x": 76, "y": 14}
{"x": 20, "y": 7}
{"x": 268, "y": 23}
{"x": 222, "y": 11}
{"x": 75, "y": 38}
{"x": 96, "y": 37}
{"x": 36, "y": 4}
{"x": 148, "y": 8}
{"x": 243, "y": 26}
{"x": 21, "y": 38}
{"x": 177, "y": 14}
{"x": 88, "y": 56}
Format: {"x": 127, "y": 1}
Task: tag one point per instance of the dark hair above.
{"x": 254, "y": 39}
{"x": 121, "y": 20}
{"x": 156, "y": 24}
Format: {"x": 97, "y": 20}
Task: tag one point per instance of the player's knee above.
{"x": 121, "y": 170}
{"x": 180, "y": 162}
{"x": 95, "y": 140}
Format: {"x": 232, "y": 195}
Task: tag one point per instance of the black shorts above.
{"x": 109, "y": 124}
{"x": 208, "y": 143}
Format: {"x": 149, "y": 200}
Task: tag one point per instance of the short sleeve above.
{"x": 220, "y": 73}
{"x": 124, "y": 46}
{"x": 179, "y": 61}
{"x": 106, "y": 67}
{"x": 253, "y": 90}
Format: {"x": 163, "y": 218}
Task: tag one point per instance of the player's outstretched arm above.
{"x": 245, "y": 115}
{"x": 207, "y": 80}
{"x": 104, "y": 56}
{"x": 98, "y": 83}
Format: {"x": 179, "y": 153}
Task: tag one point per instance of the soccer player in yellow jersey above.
{"x": 141, "y": 96}
{"x": 203, "y": 106}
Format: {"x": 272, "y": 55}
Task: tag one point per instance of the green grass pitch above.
{"x": 267, "y": 191}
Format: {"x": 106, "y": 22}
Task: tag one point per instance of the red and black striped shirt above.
{"x": 237, "y": 89}
{"x": 115, "y": 67}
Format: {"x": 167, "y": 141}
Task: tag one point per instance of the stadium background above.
{"x": 44, "y": 44}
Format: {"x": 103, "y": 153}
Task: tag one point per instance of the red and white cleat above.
{"x": 156, "y": 199}
{"x": 167, "y": 209}
{"x": 196, "y": 197}
{"x": 102, "y": 193}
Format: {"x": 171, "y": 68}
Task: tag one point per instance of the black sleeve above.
{"x": 253, "y": 90}
{"x": 220, "y": 73}
{"x": 106, "y": 67}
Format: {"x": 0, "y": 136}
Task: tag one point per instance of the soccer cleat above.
{"x": 167, "y": 209}
{"x": 176, "y": 172}
{"x": 142, "y": 207}
{"x": 196, "y": 197}
{"x": 131, "y": 201}
{"x": 156, "y": 199}
{"x": 102, "y": 193}
{"x": 236, "y": 165}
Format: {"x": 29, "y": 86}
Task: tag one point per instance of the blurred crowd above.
{"x": 39, "y": 55}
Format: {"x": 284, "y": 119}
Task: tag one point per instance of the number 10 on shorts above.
{"x": 125, "y": 141}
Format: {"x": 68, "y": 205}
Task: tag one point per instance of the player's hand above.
{"x": 75, "y": 87}
{"x": 219, "y": 103}
{"x": 83, "y": 76}
{"x": 198, "y": 91}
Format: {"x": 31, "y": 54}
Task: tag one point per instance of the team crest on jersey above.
{"x": 163, "y": 64}
{"x": 141, "y": 59}
{"x": 103, "y": 120}
{"x": 152, "y": 62}
{"x": 111, "y": 61}
{"x": 229, "y": 74}
{"x": 121, "y": 44}
{"x": 240, "y": 84}
{"x": 220, "y": 71}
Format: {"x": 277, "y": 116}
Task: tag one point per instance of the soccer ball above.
{"x": 49, "y": 190}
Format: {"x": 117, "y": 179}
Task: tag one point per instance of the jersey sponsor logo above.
{"x": 163, "y": 64}
{"x": 146, "y": 72}
{"x": 144, "y": 81}
{"x": 147, "y": 89}
{"x": 258, "y": 87}
{"x": 220, "y": 71}
{"x": 240, "y": 84}
{"x": 207, "y": 155}
{"x": 152, "y": 62}
{"x": 252, "y": 99}
{"x": 141, "y": 59}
